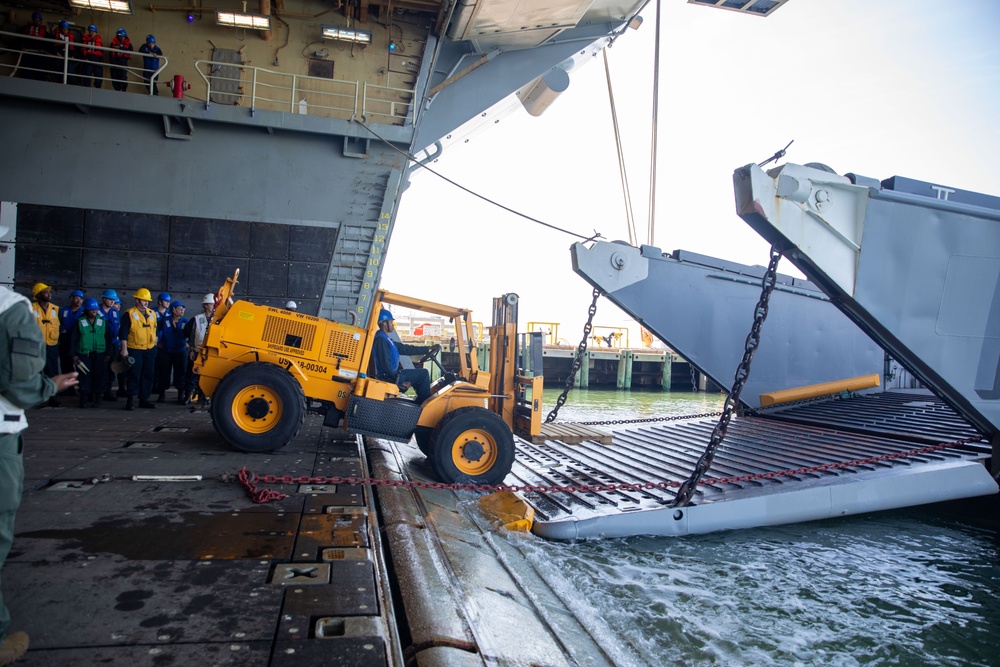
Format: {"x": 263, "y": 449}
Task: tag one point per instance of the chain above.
{"x": 742, "y": 373}
{"x": 694, "y": 377}
{"x": 580, "y": 350}
{"x": 645, "y": 420}
{"x": 249, "y": 480}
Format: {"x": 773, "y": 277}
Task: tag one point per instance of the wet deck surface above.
{"x": 108, "y": 570}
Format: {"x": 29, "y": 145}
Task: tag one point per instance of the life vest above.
{"x": 142, "y": 328}
{"x": 48, "y": 320}
{"x": 92, "y": 41}
{"x": 392, "y": 372}
{"x": 14, "y": 419}
{"x": 199, "y": 328}
{"x": 92, "y": 336}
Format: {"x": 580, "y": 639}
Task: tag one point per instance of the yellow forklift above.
{"x": 264, "y": 368}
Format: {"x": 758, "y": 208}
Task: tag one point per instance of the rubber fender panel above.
{"x": 258, "y": 407}
{"x": 472, "y": 445}
{"x": 391, "y": 419}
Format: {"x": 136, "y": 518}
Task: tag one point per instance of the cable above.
{"x": 626, "y": 191}
{"x": 596, "y": 235}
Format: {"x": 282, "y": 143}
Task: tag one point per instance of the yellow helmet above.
{"x": 39, "y": 287}
{"x": 143, "y": 293}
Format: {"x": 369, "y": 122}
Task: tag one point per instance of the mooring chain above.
{"x": 644, "y": 420}
{"x": 580, "y": 350}
{"x": 742, "y": 373}
{"x": 249, "y": 480}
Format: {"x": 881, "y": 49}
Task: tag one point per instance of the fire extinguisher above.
{"x": 178, "y": 85}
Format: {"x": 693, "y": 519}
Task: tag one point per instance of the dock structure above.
{"x": 606, "y": 368}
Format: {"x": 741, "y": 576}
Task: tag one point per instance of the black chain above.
{"x": 687, "y": 489}
{"x": 580, "y": 350}
{"x": 645, "y": 420}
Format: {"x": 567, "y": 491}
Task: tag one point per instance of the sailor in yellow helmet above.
{"x": 138, "y": 338}
{"x": 47, "y": 315}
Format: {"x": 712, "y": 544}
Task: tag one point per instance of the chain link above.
{"x": 644, "y": 420}
{"x": 249, "y": 480}
{"x": 580, "y": 350}
{"x": 742, "y": 373}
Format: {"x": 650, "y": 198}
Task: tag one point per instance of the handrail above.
{"x": 224, "y": 82}
{"x": 49, "y": 62}
{"x": 297, "y": 93}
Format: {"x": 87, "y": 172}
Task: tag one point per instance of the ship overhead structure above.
{"x": 282, "y": 152}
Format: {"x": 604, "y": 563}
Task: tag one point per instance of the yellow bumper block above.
{"x": 508, "y": 511}
{"x": 817, "y": 390}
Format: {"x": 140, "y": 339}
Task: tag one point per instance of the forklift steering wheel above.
{"x": 430, "y": 354}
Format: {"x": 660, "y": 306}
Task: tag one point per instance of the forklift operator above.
{"x": 386, "y": 354}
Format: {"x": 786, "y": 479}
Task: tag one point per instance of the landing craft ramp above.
{"x": 908, "y": 267}
{"x": 782, "y": 466}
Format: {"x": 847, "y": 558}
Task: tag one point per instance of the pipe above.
{"x": 265, "y": 9}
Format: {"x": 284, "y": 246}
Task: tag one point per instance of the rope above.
{"x": 626, "y": 191}
{"x": 413, "y": 159}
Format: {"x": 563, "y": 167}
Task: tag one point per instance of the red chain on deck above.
{"x": 249, "y": 480}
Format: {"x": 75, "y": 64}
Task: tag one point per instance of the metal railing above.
{"x": 48, "y": 59}
{"x": 262, "y": 88}
{"x": 225, "y": 83}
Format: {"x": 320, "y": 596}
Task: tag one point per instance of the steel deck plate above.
{"x": 755, "y": 446}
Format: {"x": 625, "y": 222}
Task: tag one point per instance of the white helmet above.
{"x": 208, "y": 298}
{"x": 291, "y": 305}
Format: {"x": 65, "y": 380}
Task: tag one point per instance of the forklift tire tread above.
{"x": 472, "y": 445}
{"x": 258, "y": 407}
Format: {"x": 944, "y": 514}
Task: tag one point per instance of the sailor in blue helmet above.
{"x": 386, "y": 353}
{"x": 111, "y": 315}
{"x": 150, "y": 63}
{"x": 90, "y": 350}
{"x": 119, "y": 57}
{"x": 68, "y": 316}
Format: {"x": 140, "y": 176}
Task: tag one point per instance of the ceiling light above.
{"x": 347, "y": 34}
{"x": 243, "y": 20}
{"x": 117, "y": 6}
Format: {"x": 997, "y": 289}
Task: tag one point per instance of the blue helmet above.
{"x": 176, "y": 304}
{"x": 37, "y": 15}
{"x": 90, "y": 304}
{"x": 64, "y": 24}
{"x": 91, "y": 27}
{"x": 164, "y": 296}
{"x": 384, "y": 315}
{"x": 78, "y": 293}
{"x": 109, "y": 294}
{"x": 150, "y": 39}
{"x": 121, "y": 32}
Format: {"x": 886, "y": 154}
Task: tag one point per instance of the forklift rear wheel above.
{"x": 472, "y": 445}
{"x": 258, "y": 407}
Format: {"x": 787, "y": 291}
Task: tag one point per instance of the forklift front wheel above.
{"x": 472, "y": 445}
{"x": 258, "y": 407}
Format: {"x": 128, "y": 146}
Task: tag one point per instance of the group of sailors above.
{"x": 86, "y": 64}
{"x": 146, "y": 349}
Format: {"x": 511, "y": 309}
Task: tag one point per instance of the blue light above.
{"x": 392, "y": 46}
{"x": 190, "y": 17}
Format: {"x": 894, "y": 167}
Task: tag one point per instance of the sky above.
{"x": 875, "y": 87}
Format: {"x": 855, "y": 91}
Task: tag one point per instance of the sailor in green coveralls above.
{"x": 23, "y": 385}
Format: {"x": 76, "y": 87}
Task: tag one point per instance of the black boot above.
{"x": 130, "y": 403}
{"x": 97, "y": 399}
{"x": 83, "y": 400}
{"x": 110, "y": 396}
{"x": 182, "y": 398}
{"x": 162, "y": 397}
{"x": 147, "y": 404}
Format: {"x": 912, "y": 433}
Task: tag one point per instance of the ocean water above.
{"x": 906, "y": 587}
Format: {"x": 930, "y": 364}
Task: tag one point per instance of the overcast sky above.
{"x": 874, "y": 87}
